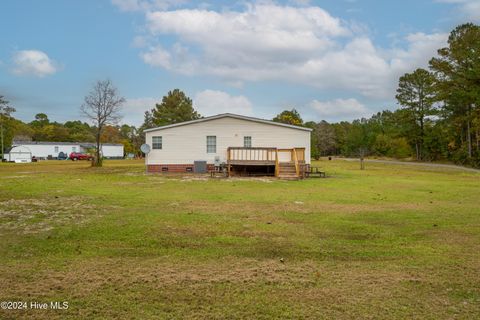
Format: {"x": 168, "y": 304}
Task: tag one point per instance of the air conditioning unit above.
{"x": 200, "y": 166}
{"x": 217, "y": 161}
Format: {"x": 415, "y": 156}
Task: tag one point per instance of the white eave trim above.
{"x": 228, "y": 115}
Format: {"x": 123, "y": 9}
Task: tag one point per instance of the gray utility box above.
{"x": 200, "y": 166}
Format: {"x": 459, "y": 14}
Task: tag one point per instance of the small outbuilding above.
{"x": 19, "y": 154}
{"x": 240, "y": 144}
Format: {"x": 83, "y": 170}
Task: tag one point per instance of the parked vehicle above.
{"x": 74, "y": 156}
{"x": 62, "y": 156}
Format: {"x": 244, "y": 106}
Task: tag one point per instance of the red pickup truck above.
{"x": 74, "y": 156}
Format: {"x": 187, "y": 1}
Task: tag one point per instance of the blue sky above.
{"x": 332, "y": 60}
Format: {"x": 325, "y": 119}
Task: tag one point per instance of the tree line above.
{"x": 102, "y": 108}
{"x": 438, "y": 116}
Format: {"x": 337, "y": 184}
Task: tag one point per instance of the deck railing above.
{"x": 251, "y": 154}
{"x": 295, "y": 160}
{"x": 300, "y": 154}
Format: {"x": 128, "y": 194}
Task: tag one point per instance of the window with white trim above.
{"x": 211, "y": 144}
{"x": 157, "y": 142}
{"x": 56, "y": 149}
{"x": 74, "y": 149}
{"x": 247, "y": 141}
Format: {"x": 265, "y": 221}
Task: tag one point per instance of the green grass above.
{"x": 389, "y": 242}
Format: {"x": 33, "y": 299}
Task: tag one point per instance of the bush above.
{"x": 382, "y": 145}
{"x": 400, "y": 148}
{"x": 460, "y": 155}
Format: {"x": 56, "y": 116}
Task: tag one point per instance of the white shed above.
{"x": 20, "y": 154}
{"x": 112, "y": 150}
{"x": 242, "y": 144}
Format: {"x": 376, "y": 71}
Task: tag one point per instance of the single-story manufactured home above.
{"x": 51, "y": 150}
{"x": 240, "y": 144}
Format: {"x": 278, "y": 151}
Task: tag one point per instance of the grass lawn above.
{"x": 389, "y": 242}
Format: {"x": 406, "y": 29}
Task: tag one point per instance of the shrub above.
{"x": 400, "y": 148}
{"x": 382, "y": 145}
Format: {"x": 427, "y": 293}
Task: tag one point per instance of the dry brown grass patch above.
{"x": 30, "y": 216}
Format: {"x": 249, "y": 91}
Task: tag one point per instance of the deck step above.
{"x": 289, "y": 178}
{"x": 287, "y": 171}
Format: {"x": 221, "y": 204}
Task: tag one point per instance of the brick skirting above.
{"x": 185, "y": 168}
{"x": 175, "y": 168}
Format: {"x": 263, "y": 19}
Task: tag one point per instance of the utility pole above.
{"x": 1, "y": 133}
{"x": 5, "y": 111}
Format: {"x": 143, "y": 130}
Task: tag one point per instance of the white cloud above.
{"x": 140, "y": 104}
{"x": 127, "y": 5}
{"x": 340, "y": 109}
{"x": 139, "y": 42}
{"x": 267, "y": 41}
{"x": 157, "y": 57}
{"x": 211, "y": 102}
{"x": 33, "y": 62}
{"x": 421, "y": 47}
{"x": 177, "y": 59}
{"x": 469, "y": 8}
{"x": 134, "y": 109}
{"x": 301, "y": 2}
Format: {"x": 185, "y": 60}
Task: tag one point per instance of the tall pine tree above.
{"x": 457, "y": 69}
{"x": 175, "y": 107}
{"x": 416, "y": 94}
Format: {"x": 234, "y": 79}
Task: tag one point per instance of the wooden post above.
{"x": 228, "y": 162}
{"x": 300, "y": 152}
{"x": 362, "y": 162}
{"x": 295, "y": 159}
{"x": 276, "y": 163}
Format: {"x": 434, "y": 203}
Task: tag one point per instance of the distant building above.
{"x": 18, "y": 154}
{"x": 51, "y": 150}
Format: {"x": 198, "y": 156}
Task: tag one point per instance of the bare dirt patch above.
{"x": 16, "y": 177}
{"x": 29, "y": 216}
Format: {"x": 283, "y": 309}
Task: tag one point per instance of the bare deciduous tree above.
{"x": 102, "y": 106}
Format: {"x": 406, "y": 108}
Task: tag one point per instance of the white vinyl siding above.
{"x": 187, "y": 143}
{"x": 211, "y": 144}
{"x": 247, "y": 142}
{"x": 157, "y": 142}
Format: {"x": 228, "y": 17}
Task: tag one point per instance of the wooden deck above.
{"x": 289, "y": 163}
